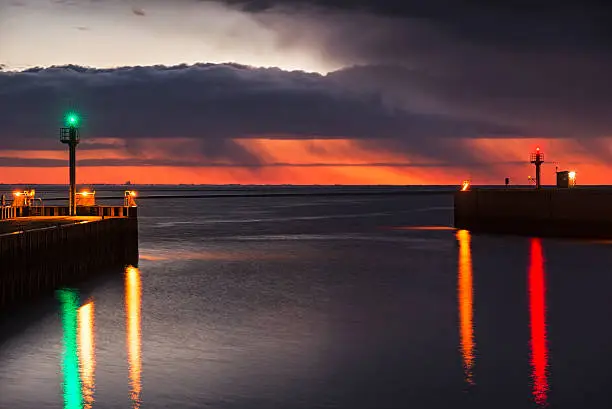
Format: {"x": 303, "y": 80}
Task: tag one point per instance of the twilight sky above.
{"x": 305, "y": 91}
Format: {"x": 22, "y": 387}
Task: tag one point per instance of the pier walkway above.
{"x": 20, "y": 224}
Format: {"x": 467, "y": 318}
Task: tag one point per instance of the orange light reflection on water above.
{"x": 133, "y": 305}
{"x": 466, "y": 297}
{"x": 87, "y": 355}
{"x": 537, "y": 312}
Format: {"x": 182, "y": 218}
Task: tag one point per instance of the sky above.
{"x": 305, "y": 91}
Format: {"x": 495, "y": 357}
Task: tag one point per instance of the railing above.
{"x": 12, "y": 212}
{"x": 8, "y": 212}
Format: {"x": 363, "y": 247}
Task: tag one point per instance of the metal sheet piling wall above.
{"x": 37, "y": 261}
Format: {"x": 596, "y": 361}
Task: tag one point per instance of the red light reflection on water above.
{"x": 537, "y": 312}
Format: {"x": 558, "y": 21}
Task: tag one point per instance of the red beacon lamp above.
{"x": 537, "y": 158}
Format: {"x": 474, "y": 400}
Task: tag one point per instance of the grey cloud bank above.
{"x": 214, "y": 104}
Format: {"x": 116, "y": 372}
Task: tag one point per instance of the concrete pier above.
{"x": 41, "y": 253}
{"x": 585, "y": 213}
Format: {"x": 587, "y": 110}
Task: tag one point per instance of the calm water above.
{"x": 338, "y": 302}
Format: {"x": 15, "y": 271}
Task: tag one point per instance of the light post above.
{"x": 537, "y": 158}
{"x": 70, "y": 135}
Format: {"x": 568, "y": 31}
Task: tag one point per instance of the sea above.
{"x": 317, "y": 297}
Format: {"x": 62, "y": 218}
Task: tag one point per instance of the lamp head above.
{"x": 72, "y": 120}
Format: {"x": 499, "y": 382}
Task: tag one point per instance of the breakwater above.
{"x": 39, "y": 254}
{"x": 583, "y": 213}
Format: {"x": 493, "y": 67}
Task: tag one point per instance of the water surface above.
{"x": 324, "y": 302}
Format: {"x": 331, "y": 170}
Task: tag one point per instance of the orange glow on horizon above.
{"x": 537, "y": 313}
{"x": 338, "y": 161}
{"x": 87, "y": 355}
{"x": 219, "y": 176}
{"x": 466, "y": 304}
{"x": 133, "y": 305}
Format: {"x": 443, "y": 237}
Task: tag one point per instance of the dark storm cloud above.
{"x": 542, "y": 67}
{"x": 536, "y": 23}
{"x": 213, "y": 104}
{"x": 562, "y": 97}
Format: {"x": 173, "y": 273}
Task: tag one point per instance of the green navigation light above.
{"x": 69, "y": 301}
{"x": 72, "y": 119}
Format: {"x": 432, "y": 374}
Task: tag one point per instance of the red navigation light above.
{"x": 536, "y": 156}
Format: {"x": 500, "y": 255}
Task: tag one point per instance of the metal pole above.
{"x": 537, "y": 174}
{"x": 72, "y": 146}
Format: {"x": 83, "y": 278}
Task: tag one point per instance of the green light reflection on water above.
{"x": 69, "y": 300}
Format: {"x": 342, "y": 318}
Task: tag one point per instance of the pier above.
{"x": 559, "y": 211}
{"x": 546, "y": 212}
{"x": 41, "y": 253}
{"x": 43, "y": 248}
